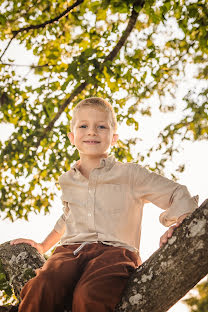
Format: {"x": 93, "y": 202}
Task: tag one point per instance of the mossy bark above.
{"x": 155, "y": 286}
{"x": 19, "y": 263}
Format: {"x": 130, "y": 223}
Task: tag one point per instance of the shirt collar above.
{"x": 107, "y": 163}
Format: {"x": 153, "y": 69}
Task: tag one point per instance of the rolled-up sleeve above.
{"x": 173, "y": 197}
{"x": 60, "y": 225}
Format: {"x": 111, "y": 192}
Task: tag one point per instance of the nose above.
{"x": 92, "y": 130}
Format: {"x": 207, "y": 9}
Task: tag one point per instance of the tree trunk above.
{"x": 155, "y": 286}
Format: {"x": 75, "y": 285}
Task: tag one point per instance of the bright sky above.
{"x": 194, "y": 177}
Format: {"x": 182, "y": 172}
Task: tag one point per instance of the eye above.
{"x": 102, "y": 127}
{"x": 83, "y": 126}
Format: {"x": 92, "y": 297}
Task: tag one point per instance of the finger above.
{"x": 168, "y": 234}
{"x": 170, "y": 231}
{"x": 163, "y": 239}
{"x": 161, "y": 243}
{"x": 16, "y": 241}
{"x": 22, "y": 240}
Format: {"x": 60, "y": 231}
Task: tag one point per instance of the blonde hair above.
{"x": 95, "y": 102}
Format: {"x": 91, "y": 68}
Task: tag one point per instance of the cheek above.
{"x": 78, "y": 133}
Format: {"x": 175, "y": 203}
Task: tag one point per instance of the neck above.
{"x": 88, "y": 163}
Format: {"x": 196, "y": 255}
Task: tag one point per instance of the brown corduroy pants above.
{"x": 91, "y": 281}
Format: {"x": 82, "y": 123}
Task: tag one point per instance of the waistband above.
{"x": 76, "y": 251}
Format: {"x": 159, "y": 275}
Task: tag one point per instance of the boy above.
{"x": 100, "y": 227}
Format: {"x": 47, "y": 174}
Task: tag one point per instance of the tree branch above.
{"x": 122, "y": 40}
{"x": 24, "y": 65}
{"x": 172, "y": 270}
{"x": 15, "y": 32}
{"x": 10, "y": 41}
{"x": 80, "y": 88}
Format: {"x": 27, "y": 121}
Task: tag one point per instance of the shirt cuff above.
{"x": 171, "y": 215}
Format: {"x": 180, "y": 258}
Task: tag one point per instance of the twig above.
{"x": 24, "y": 65}
{"x": 10, "y": 41}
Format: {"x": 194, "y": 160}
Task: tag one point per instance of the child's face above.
{"x": 92, "y": 133}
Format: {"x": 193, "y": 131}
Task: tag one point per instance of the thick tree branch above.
{"x": 19, "y": 264}
{"x": 172, "y": 270}
{"x": 81, "y": 87}
{"x": 156, "y": 285}
{"x": 122, "y": 40}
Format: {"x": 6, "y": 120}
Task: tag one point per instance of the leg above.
{"x": 102, "y": 283}
{"x": 48, "y": 290}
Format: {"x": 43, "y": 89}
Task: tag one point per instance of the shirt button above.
{"x": 89, "y": 214}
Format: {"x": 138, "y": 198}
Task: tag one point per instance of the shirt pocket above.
{"x": 111, "y": 198}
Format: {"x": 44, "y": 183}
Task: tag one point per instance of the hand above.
{"x": 168, "y": 234}
{"x": 31, "y": 242}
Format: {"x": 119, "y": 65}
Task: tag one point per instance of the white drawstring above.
{"x": 76, "y": 251}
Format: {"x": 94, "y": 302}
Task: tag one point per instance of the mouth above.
{"x": 92, "y": 142}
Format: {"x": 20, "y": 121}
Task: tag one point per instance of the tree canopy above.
{"x": 197, "y": 301}
{"x": 124, "y": 51}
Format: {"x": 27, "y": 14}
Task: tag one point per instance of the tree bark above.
{"x": 19, "y": 263}
{"x": 155, "y": 286}
{"x": 172, "y": 270}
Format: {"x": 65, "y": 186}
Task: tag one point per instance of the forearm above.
{"x": 53, "y": 238}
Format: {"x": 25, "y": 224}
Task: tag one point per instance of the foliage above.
{"x": 6, "y": 293}
{"x": 199, "y": 302}
{"x": 90, "y": 50}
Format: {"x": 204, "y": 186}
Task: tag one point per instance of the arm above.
{"x": 53, "y": 238}
{"x": 172, "y": 197}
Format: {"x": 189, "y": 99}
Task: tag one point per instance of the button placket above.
{"x": 91, "y": 201}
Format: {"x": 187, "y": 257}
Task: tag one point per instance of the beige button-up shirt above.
{"x": 108, "y": 207}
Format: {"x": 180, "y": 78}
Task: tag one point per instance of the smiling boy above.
{"x": 100, "y": 228}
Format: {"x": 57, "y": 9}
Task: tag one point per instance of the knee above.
{"x": 40, "y": 279}
{"x": 43, "y": 280}
{"x": 51, "y": 279}
{"x": 34, "y": 285}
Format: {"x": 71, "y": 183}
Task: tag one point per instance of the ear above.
{"x": 114, "y": 139}
{"x": 71, "y": 137}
